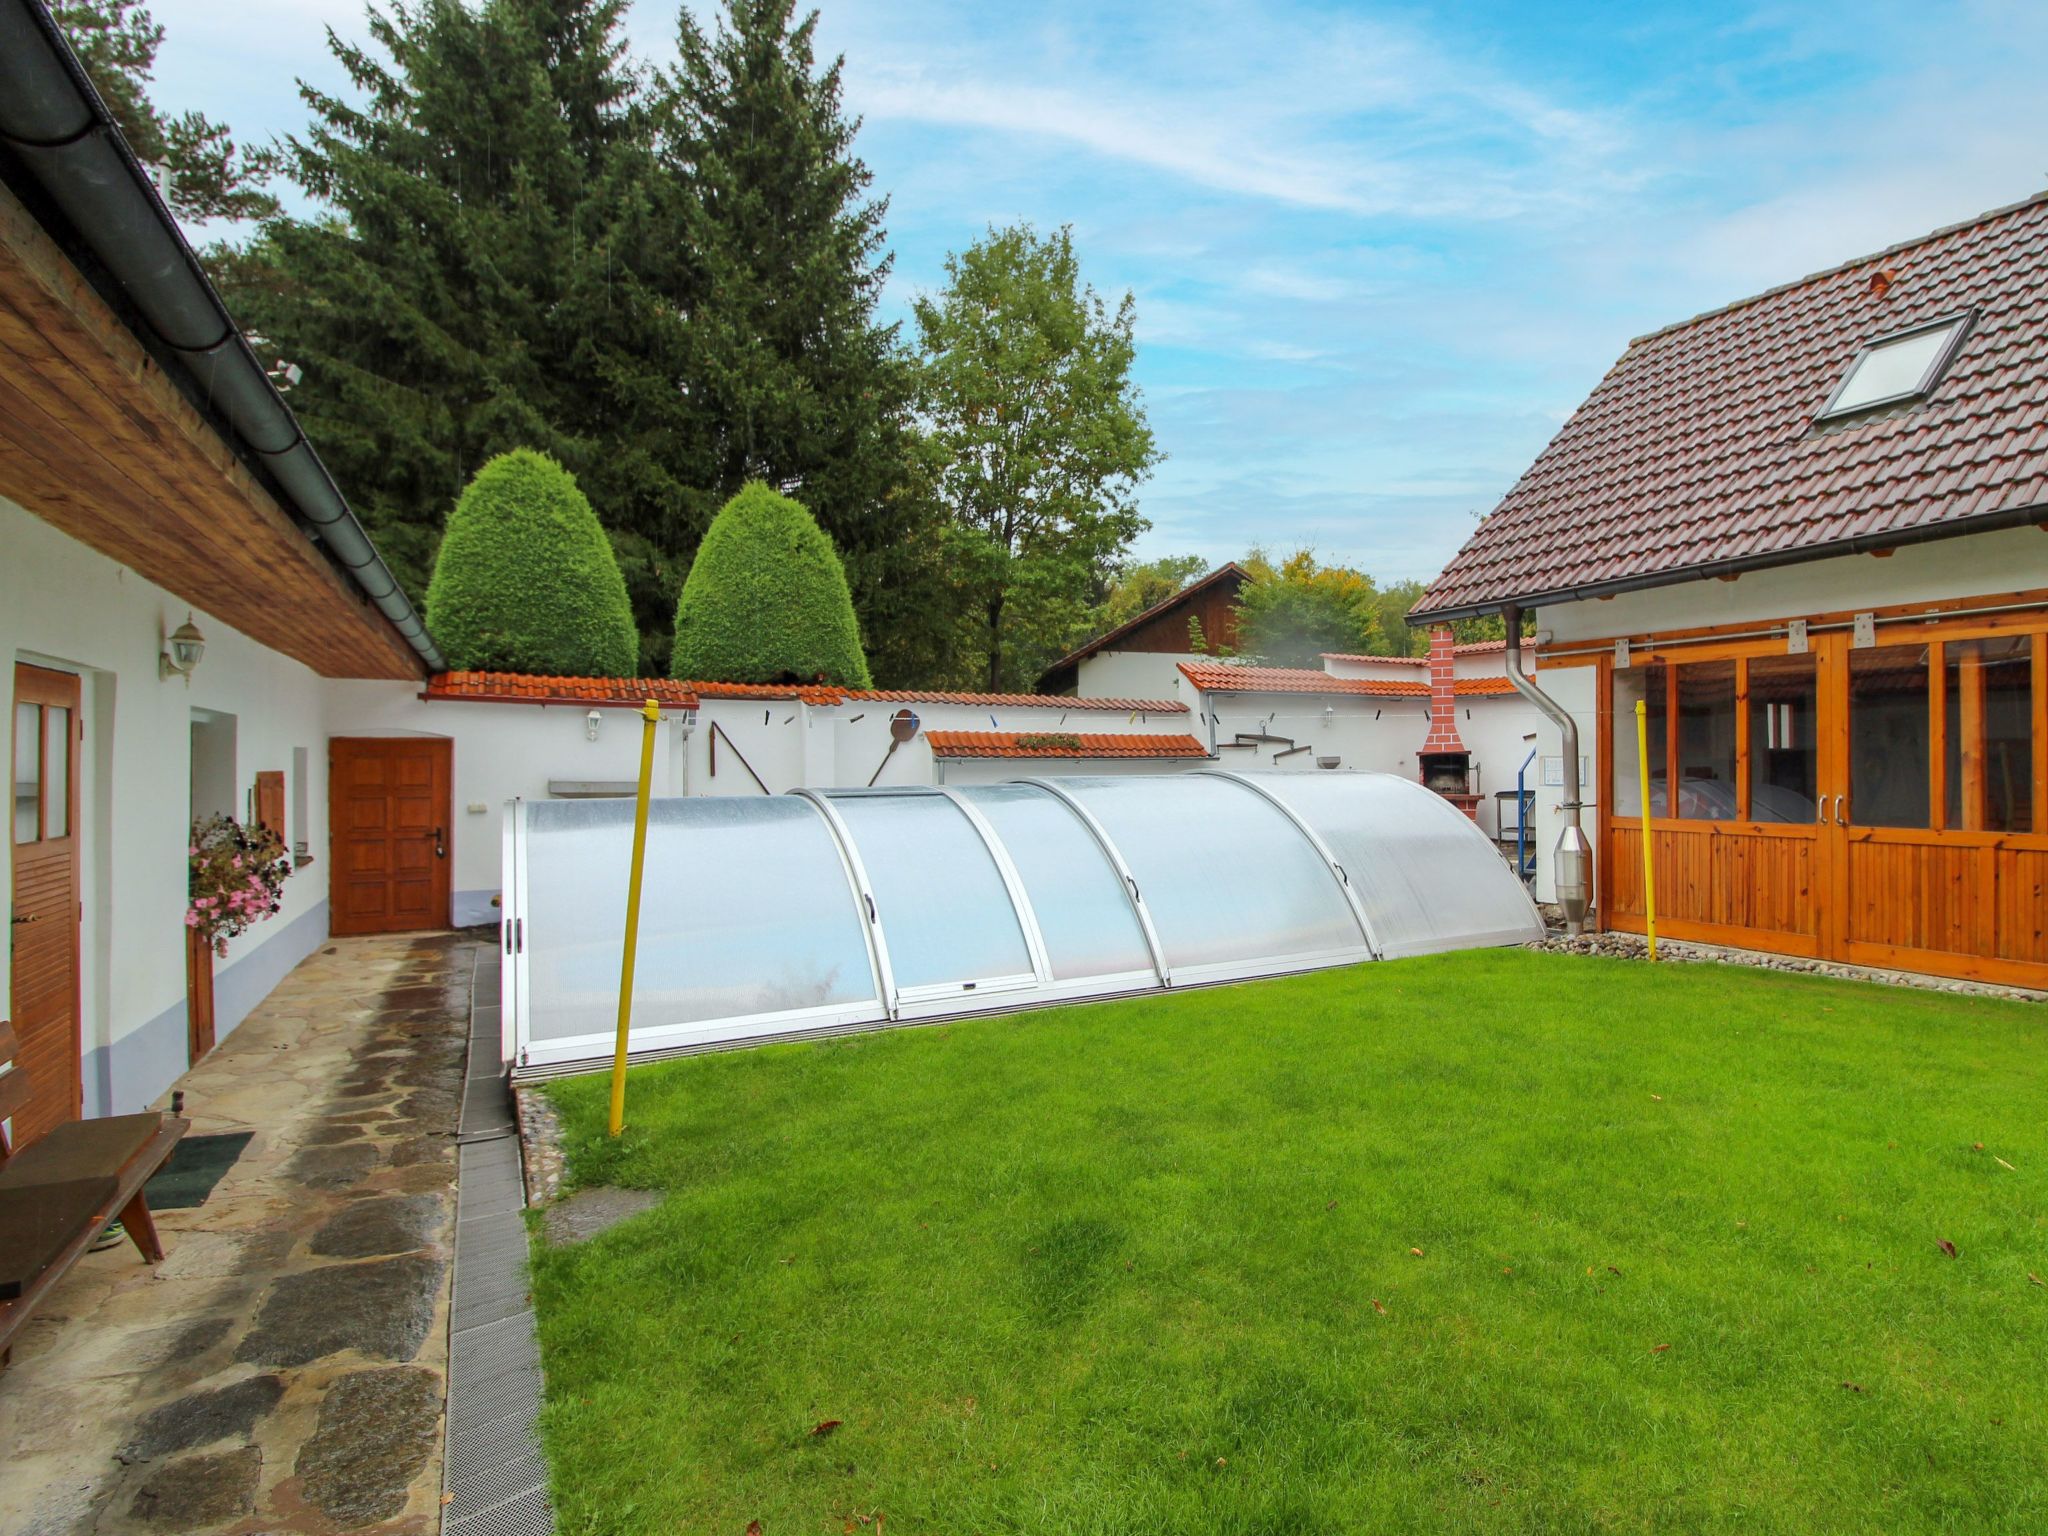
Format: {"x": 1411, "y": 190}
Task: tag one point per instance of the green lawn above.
{"x": 1497, "y": 1241}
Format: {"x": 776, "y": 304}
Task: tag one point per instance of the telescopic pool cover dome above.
{"x": 824, "y": 910}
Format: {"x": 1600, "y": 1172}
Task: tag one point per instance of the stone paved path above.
{"x": 284, "y": 1368}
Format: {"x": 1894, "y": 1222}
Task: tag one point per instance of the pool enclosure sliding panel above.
{"x": 1232, "y": 886}
{"x": 1425, "y": 874}
{"x": 1322, "y": 849}
{"x": 1087, "y": 922}
{"x": 941, "y": 901}
{"x": 749, "y": 925}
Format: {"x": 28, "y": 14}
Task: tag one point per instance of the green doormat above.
{"x": 194, "y": 1168}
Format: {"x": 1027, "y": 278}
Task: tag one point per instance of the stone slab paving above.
{"x": 285, "y": 1368}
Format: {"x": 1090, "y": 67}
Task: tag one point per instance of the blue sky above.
{"x": 1379, "y": 252}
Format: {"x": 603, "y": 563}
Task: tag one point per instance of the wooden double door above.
{"x": 1877, "y": 798}
{"x": 388, "y": 829}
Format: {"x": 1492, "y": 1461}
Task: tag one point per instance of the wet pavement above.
{"x": 284, "y": 1368}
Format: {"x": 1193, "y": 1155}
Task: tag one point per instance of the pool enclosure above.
{"x": 825, "y": 910}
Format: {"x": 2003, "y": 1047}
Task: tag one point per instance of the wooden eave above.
{"x": 98, "y": 443}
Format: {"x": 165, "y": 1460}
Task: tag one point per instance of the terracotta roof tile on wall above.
{"x": 1467, "y": 648}
{"x": 1019, "y": 701}
{"x": 1699, "y": 450}
{"x": 1012, "y": 744}
{"x": 526, "y": 688}
{"x": 1216, "y": 678}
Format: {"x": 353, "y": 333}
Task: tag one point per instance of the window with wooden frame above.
{"x": 1988, "y": 735}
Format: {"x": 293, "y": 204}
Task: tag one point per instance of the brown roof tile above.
{"x": 1700, "y": 448}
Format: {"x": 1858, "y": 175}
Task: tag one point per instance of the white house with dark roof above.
{"x": 1808, "y": 532}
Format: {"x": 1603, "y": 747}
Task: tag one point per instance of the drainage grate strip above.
{"x": 493, "y": 1478}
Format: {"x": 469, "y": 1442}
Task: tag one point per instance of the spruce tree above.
{"x": 206, "y": 175}
{"x": 487, "y": 275}
{"x": 800, "y": 385}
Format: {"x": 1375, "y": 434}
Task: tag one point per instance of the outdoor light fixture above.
{"x": 182, "y": 650}
{"x": 591, "y": 722}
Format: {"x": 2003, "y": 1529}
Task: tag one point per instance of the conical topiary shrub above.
{"x": 766, "y": 600}
{"x": 526, "y": 580}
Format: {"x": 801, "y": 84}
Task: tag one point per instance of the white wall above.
{"x": 500, "y": 752}
{"x": 1133, "y": 674}
{"x": 1379, "y": 735}
{"x": 1971, "y": 566}
{"x": 503, "y": 752}
{"x": 65, "y": 606}
{"x": 1414, "y": 669}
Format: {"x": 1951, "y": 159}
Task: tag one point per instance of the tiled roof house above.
{"x": 1809, "y": 533}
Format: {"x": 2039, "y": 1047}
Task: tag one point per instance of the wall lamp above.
{"x": 183, "y": 648}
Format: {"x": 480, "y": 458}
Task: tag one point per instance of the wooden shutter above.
{"x": 270, "y": 801}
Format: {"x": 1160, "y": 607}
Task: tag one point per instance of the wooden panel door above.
{"x": 43, "y": 932}
{"x": 1734, "y": 738}
{"x": 1940, "y": 863}
{"x": 388, "y": 826}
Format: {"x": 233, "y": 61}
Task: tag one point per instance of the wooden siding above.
{"x": 97, "y": 442}
{"x": 1751, "y": 884}
{"x": 1167, "y": 632}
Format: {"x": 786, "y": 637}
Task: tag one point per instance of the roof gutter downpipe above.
{"x": 1572, "y": 860}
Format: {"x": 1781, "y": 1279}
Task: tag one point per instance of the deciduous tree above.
{"x": 1041, "y": 439}
{"x": 1292, "y": 612}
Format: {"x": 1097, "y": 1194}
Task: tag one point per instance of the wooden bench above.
{"x": 58, "y": 1193}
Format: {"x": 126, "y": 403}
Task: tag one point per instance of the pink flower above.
{"x": 191, "y": 919}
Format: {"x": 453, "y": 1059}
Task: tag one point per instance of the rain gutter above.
{"x": 57, "y": 130}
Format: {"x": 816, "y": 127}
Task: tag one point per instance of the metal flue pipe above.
{"x": 1572, "y": 860}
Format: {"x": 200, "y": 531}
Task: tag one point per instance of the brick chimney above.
{"x": 1443, "y": 695}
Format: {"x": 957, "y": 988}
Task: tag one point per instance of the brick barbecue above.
{"x": 1445, "y": 765}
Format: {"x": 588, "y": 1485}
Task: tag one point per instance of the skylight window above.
{"x": 1894, "y": 368}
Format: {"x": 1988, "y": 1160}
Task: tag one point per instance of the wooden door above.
{"x": 198, "y": 996}
{"x": 1940, "y": 861}
{"x": 388, "y": 827}
{"x": 43, "y": 933}
{"x": 1737, "y": 836}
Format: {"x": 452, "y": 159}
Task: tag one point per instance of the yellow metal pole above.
{"x": 1649, "y": 865}
{"x": 650, "y": 716}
